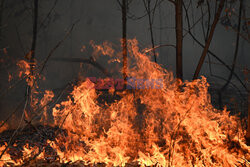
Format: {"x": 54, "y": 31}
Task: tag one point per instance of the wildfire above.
{"x": 3, "y": 126}
{"x": 25, "y": 70}
{"x": 175, "y": 125}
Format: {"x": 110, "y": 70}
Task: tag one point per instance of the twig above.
{"x": 6, "y": 120}
{"x": 211, "y": 53}
{"x": 19, "y": 40}
{"x": 88, "y": 61}
{"x": 56, "y": 133}
{"x": 159, "y": 46}
{"x": 174, "y": 135}
{"x": 133, "y": 17}
{"x": 28, "y": 122}
{"x": 57, "y": 46}
{"x": 32, "y": 57}
{"x": 42, "y": 66}
{"x": 16, "y": 131}
{"x": 48, "y": 15}
{"x": 235, "y": 55}
{"x": 147, "y": 7}
{"x": 209, "y": 39}
{"x": 233, "y": 85}
{"x": 194, "y": 24}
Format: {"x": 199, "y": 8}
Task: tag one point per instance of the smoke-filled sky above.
{"x": 99, "y": 21}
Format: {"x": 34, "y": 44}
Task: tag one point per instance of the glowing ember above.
{"x": 172, "y": 126}
{"x": 3, "y": 126}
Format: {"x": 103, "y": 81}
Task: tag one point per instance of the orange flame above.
{"x": 3, "y": 126}
{"x": 174, "y": 125}
{"x": 162, "y": 127}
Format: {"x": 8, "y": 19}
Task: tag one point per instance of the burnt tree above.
{"x": 179, "y": 38}
{"x": 124, "y": 6}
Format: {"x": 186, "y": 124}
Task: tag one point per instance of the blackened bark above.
{"x": 33, "y": 45}
{"x": 248, "y": 127}
{"x": 124, "y": 40}
{"x": 179, "y": 38}
{"x": 32, "y": 53}
{"x": 1, "y": 17}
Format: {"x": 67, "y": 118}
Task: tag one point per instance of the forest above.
{"x": 125, "y": 83}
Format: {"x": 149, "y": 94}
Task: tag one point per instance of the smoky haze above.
{"x": 99, "y": 21}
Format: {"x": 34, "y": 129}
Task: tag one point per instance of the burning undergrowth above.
{"x": 175, "y": 125}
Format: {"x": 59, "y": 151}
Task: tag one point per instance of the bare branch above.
{"x": 210, "y": 52}
{"x": 159, "y": 46}
{"x": 172, "y": 1}
{"x": 57, "y": 46}
{"x": 209, "y": 39}
{"x": 88, "y": 61}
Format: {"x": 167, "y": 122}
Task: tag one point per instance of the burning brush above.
{"x": 174, "y": 124}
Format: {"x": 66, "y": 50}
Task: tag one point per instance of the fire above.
{"x": 164, "y": 127}
{"x": 3, "y": 126}
{"x": 173, "y": 125}
{"x": 105, "y": 48}
{"x": 48, "y": 96}
{"x": 25, "y": 68}
{"x": 27, "y": 152}
{"x": 5, "y": 157}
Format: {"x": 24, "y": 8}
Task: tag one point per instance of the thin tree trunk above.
{"x": 160, "y": 24}
{"x": 32, "y": 53}
{"x": 1, "y": 17}
{"x": 248, "y": 122}
{"x": 124, "y": 40}
{"x": 179, "y": 38}
{"x": 33, "y": 45}
{"x": 210, "y": 52}
{"x": 209, "y": 39}
{"x": 148, "y": 9}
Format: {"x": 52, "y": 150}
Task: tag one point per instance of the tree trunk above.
{"x": 179, "y": 38}
{"x": 124, "y": 40}
{"x": 246, "y": 72}
{"x": 248, "y": 122}
{"x": 148, "y": 9}
{"x": 32, "y": 56}
{"x": 1, "y": 16}
{"x": 33, "y": 45}
{"x": 210, "y": 37}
